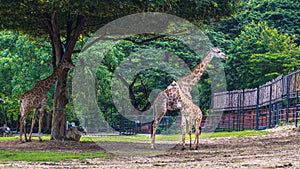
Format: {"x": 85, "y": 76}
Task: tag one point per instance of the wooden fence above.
{"x": 266, "y": 94}
{"x": 273, "y": 103}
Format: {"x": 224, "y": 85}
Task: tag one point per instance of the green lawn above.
{"x": 14, "y": 155}
{"x": 17, "y": 138}
{"x": 173, "y": 137}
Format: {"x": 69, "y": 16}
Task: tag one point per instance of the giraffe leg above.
{"x": 183, "y": 131}
{"x": 41, "y": 122}
{"x": 196, "y": 142}
{"x": 198, "y": 132}
{"x": 190, "y": 126}
{"x": 25, "y": 131}
{"x": 160, "y": 108}
{"x": 154, "y": 128}
{"x": 190, "y": 134}
{"x": 22, "y": 119}
{"x": 32, "y": 123}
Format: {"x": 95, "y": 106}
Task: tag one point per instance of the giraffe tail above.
{"x": 21, "y": 107}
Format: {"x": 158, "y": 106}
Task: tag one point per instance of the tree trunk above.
{"x": 4, "y": 114}
{"x": 48, "y": 121}
{"x": 62, "y": 51}
{"x": 58, "y": 130}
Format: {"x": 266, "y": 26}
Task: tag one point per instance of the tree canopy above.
{"x": 260, "y": 54}
{"x": 65, "y": 23}
{"x": 261, "y": 39}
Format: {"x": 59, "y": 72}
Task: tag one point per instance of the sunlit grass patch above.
{"x": 246, "y": 133}
{"x": 131, "y": 138}
{"x": 14, "y": 155}
{"x": 173, "y": 137}
{"x": 17, "y": 138}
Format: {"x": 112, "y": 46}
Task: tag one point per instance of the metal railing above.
{"x": 274, "y": 103}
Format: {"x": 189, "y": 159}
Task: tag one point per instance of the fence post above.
{"x": 229, "y": 121}
{"x": 270, "y": 106}
{"x": 238, "y": 112}
{"x": 243, "y": 103}
{"x": 257, "y": 109}
{"x": 287, "y": 101}
{"x": 297, "y": 104}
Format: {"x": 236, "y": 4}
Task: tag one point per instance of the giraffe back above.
{"x": 33, "y": 98}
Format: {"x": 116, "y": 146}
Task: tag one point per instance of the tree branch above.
{"x": 71, "y": 45}
{"x": 76, "y": 51}
{"x": 56, "y": 38}
{"x": 145, "y": 41}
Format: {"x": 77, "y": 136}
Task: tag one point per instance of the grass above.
{"x": 246, "y": 133}
{"x": 172, "y": 137}
{"x": 131, "y": 138}
{"x": 17, "y": 138}
{"x": 14, "y": 155}
{"x": 240, "y": 134}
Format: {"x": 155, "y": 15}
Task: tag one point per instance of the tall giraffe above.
{"x": 37, "y": 98}
{"x": 168, "y": 99}
{"x": 190, "y": 113}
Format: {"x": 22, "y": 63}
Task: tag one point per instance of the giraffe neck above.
{"x": 183, "y": 98}
{"x": 47, "y": 83}
{"x": 188, "y": 81}
{"x": 202, "y": 66}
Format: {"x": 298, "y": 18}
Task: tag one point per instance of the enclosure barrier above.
{"x": 274, "y": 103}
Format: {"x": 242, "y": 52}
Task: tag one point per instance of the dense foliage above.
{"x": 260, "y": 38}
{"x": 23, "y": 60}
{"x": 260, "y": 54}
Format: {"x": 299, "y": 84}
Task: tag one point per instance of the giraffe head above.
{"x": 64, "y": 65}
{"x": 218, "y": 53}
{"x": 175, "y": 89}
{"x": 67, "y": 64}
{"x": 173, "y": 85}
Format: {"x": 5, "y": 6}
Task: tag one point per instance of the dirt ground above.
{"x": 279, "y": 149}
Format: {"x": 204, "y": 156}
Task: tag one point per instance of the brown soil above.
{"x": 280, "y": 149}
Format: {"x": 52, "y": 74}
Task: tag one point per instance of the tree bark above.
{"x": 48, "y": 121}
{"x": 4, "y": 114}
{"x": 58, "y": 130}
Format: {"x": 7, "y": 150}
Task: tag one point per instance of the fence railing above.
{"x": 273, "y": 103}
{"x": 273, "y": 91}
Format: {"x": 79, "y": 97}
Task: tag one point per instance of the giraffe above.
{"x": 36, "y": 98}
{"x": 168, "y": 99}
{"x": 190, "y": 113}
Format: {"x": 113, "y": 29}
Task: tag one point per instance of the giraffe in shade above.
{"x": 168, "y": 99}
{"x": 36, "y": 98}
